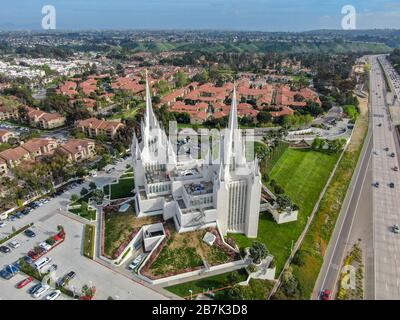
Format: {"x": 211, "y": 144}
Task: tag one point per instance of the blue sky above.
{"x": 264, "y": 15}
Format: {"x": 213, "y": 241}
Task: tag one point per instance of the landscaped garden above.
{"x": 122, "y": 189}
{"x": 210, "y": 283}
{"x": 121, "y": 227}
{"x": 303, "y": 175}
{"x": 183, "y": 252}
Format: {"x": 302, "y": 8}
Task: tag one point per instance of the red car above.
{"x": 326, "y": 295}
{"x": 24, "y": 282}
{"x": 33, "y": 255}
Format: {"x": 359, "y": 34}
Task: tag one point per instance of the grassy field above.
{"x": 316, "y": 241}
{"x": 90, "y": 214}
{"x": 303, "y": 175}
{"x": 122, "y": 189}
{"x": 88, "y": 241}
{"x": 211, "y": 283}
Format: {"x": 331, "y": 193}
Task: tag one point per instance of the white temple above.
{"x": 196, "y": 193}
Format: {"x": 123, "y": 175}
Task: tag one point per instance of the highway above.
{"x": 386, "y": 200}
{"x": 369, "y": 212}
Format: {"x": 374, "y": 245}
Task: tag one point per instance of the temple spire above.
{"x": 150, "y": 120}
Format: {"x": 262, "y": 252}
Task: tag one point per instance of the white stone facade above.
{"x": 196, "y": 193}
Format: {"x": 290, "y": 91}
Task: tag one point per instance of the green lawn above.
{"x": 302, "y": 174}
{"x": 90, "y": 214}
{"x": 122, "y": 189}
{"x": 88, "y": 242}
{"x": 211, "y": 283}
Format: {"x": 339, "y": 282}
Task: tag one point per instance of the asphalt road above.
{"x": 330, "y": 270}
{"x": 386, "y": 200}
{"x": 374, "y": 221}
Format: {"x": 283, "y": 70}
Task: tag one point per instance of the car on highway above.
{"x": 24, "y": 282}
{"x": 5, "y": 249}
{"x": 396, "y": 229}
{"x": 54, "y": 295}
{"x": 14, "y": 244}
{"x": 43, "y": 288}
{"x": 326, "y": 295}
{"x": 29, "y": 233}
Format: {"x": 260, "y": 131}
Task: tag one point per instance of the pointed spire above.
{"x": 150, "y": 120}
{"x": 233, "y": 119}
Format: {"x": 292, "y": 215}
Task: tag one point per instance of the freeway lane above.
{"x": 386, "y": 200}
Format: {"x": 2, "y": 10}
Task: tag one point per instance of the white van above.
{"x": 40, "y": 263}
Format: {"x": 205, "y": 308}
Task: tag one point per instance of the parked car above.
{"x": 391, "y": 185}
{"x": 29, "y": 233}
{"x": 41, "y": 290}
{"x": 5, "y": 249}
{"x": 34, "y": 288}
{"x": 2, "y": 224}
{"x": 396, "y": 229}
{"x": 396, "y": 168}
{"x": 27, "y": 259}
{"x": 14, "y": 244}
{"x": 24, "y": 282}
{"x": 392, "y": 154}
{"x": 65, "y": 279}
{"x": 135, "y": 262}
{"x": 45, "y": 246}
{"x": 376, "y": 184}
{"x": 54, "y": 295}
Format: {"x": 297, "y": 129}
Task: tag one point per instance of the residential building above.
{"x": 77, "y": 149}
{"x": 44, "y": 120}
{"x": 94, "y": 127}
{"x": 5, "y": 135}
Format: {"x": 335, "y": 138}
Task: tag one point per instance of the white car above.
{"x": 135, "y": 262}
{"x": 14, "y": 244}
{"x": 54, "y": 295}
{"x": 45, "y": 246}
{"x": 41, "y": 290}
{"x": 2, "y": 224}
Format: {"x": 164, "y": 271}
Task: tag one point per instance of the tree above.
{"x": 264, "y": 117}
{"x": 284, "y": 201}
{"x": 84, "y": 191}
{"x": 74, "y": 197}
{"x": 98, "y": 196}
{"x": 258, "y": 252}
{"x": 92, "y": 185}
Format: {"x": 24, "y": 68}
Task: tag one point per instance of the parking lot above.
{"x": 68, "y": 255}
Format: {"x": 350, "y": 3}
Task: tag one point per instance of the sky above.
{"x": 253, "y": 15}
